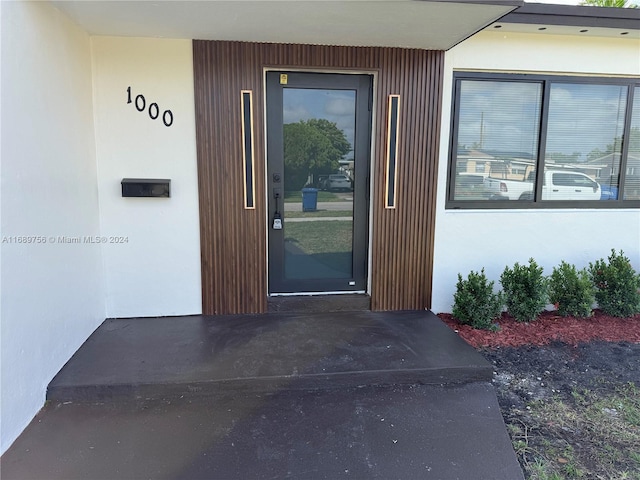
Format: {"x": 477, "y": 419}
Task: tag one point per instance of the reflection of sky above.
{"x": 585, "y": 117}
{"x": 635, "y": 121}
{"x": 337, "y": 106}
{"x": 500, "y": 116}
{"x": 504, "y": 116}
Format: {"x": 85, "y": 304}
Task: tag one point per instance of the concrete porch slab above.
{"x": 391, "y": 432}
{"x": 172, "y": 357}
{"x": 303, "y": 396}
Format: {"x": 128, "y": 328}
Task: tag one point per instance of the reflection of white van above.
{"x": 570, "y": 186}
{"x": 557, "y": 185}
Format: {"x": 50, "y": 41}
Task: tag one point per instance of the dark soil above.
{"x": 549, "y": 361}
{"x": 533, "y": 373}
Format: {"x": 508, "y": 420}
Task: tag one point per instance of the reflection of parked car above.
{"x": 470, "y": 187}
{"x": 321, "y": 181}
{"x": 337, "y": 182}
{"x": 556, "y": 185}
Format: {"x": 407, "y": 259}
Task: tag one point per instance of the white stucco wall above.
{"x": 52, "y": 293}
{"x": 472, "y": 239}
{"x": 158, "y": 271}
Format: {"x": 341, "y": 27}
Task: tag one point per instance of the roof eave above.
{"x": 579, "y": 16}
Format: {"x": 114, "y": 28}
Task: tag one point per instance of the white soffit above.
{"x": 436, "y": 25}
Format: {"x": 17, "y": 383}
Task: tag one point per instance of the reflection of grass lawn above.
{"x": 318, "y": 213}
{"x": 330, "y": 236}
{"x": 296, "y": 196}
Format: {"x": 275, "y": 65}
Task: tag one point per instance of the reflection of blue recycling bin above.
{"x": 309, "y": 199}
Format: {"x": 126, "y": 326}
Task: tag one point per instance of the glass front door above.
{"x": 318, "y": 144}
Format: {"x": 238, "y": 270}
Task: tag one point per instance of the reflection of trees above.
{"x": 616, "y": 146}
{"x": 563, "y": 157}
{"x": 312, "y": 147}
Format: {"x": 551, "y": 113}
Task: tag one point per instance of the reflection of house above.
{"x": 485, "y": 164}
{"x": 88, "y": 99}
{"x": 474, "y": 161}
{"x": 608, "y": 166}
{"x": 346, "y": 167}
{"x": 607, "y": 172}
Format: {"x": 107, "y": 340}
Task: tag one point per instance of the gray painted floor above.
{"x": 340, "y": 395}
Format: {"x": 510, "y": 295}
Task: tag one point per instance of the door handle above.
{"x": 277, "y": 221}
{"x": 277, "y": 217}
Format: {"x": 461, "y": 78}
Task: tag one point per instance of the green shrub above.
{"x": 474, "y": 302}
{"x": 571, "y": 291}
{"x": 525, "y": 289}
{"x": 616, "y": 284}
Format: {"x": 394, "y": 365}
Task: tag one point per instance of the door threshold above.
{"x": 319, "y": 302}
{"x": 316, "y": 294}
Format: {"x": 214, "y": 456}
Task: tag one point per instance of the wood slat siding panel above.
{"x": 233, "y": 240}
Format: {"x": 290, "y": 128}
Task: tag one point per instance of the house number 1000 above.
{"x": 154, "y": 110}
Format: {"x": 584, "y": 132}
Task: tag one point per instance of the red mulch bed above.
{"x": 550, "y": 327}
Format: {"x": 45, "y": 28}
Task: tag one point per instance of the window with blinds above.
{"x": 632, "y": 165}
{"x": 533, "y": 141}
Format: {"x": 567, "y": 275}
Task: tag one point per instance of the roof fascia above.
{"x": 575, "y": 16}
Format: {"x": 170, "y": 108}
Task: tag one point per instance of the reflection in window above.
{"x": 578, "y": 132}
{"x": 318, "y": 147}
{"x": 632, "y": 179}
{"x": 584, "y": 140}
{"x": 497, "y": 134}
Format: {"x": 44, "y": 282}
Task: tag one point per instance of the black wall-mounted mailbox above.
{"x": 145, "y": 187}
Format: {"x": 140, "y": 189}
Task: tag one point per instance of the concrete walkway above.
{"x": 332, "y": 206}
{"x": 332, "y": 395}
{"x": 319, "y": 219}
